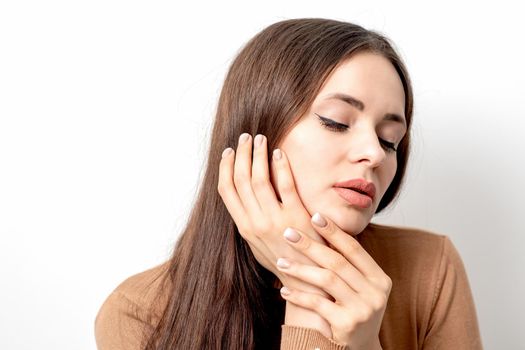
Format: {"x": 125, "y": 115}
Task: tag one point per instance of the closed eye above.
{"x": 338, "y": 127}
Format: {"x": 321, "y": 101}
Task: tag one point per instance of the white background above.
{"x": 105, "y": 113}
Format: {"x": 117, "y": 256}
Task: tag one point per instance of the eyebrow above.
{"x": 361, "y": 106}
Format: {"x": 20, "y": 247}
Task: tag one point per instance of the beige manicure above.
{"x": 258, "y": 140}
{"x": 243, "y": 138}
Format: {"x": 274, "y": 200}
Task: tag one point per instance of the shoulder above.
{"x": 420, "y": 261}
{"x": 379, "y": 231}
{"x": 410, "y": 241}
{"x": 401, "y": 249}
{"x": 143, "y": 287}
{"x": 132, "y": 308}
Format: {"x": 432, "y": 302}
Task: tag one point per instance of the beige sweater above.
{"x": 430, "y": 304}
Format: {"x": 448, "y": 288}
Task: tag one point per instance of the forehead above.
{"x": 369, "y": 77}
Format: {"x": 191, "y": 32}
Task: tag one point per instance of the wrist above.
{"x": 301, "y": 317}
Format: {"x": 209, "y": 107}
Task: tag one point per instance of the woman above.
{"x": 333, "y": 102}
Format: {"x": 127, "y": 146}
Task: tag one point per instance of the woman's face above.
{"x": 322, "y": 156}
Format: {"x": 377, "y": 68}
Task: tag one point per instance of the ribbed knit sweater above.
{"x": 430, "y": 305}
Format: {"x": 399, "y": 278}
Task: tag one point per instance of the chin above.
{"x": 348, "y": 218}
{"x": 352, "y": 223}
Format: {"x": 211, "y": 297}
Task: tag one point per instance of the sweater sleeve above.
{"x": 120, "y": 324}
{"x": 299, "y": 338}
{"x": 453, "y": 321}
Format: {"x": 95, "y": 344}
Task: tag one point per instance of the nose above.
{"x": 365, "y": 147}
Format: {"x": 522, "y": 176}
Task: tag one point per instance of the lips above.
{"x": 359, "y": 185}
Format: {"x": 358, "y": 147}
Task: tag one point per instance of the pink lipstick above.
{"x": 357, "y": 192}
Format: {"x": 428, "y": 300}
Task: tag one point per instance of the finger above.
{"x": 284, "y": 179}
{"x": 227, "y": 191}
{"x": 285, "y": 184}
{"x": 337, "y": 316}
{"x": 261, "y": 184}
{"x": 242, "y": 174}
{"x": 325, "y": 279}
{"x": 347, "y": 245}
{"x": 328, "y": 258}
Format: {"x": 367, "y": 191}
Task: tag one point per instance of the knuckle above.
{"x": 239, "y": 178}
{"x": 329, "y": 229}
{"x": 221, "y": 188}
{"x": 381, "y": 302}
{"x": 260, "y": 228}
{"x": 337, "y": 264}
{"x": 258, "y": 183}
{"x": 286, "y": 186}
{"x": 363, "y": 315}
{"x": 328, "y": 278}
{"x": 242, "y": 231}
{"x": 384, "y": 283}
{"x": 247, "y": 232}
{"x": 313, "y": 301}
{"x": 304, "y": 243}
{"x": 387, "y": 284}
{"x": 353, "y": 247}
{"x": 376, "y": 304}
{"x": 346, "y": 324}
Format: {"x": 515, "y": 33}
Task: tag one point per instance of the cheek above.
{"x": 309, "y": 164}
{"x": 305, "y": 176}
{"x": 389, "y": 171}
{"x": 305, "y": 161}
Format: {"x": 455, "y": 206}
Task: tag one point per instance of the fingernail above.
{"x": 258, "y": 140}
{"x": 226, "y": 152}
{"x": 277, "y": 154}
{"x": 243, "y": 138}
{"x": 319, "y": 220}
{"x": 292, "y": 235}
{"x": 285, "y": 291}
{"x": 283, "y": 263}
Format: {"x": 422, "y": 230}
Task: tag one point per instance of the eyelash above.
{"x": 338, "y": 127}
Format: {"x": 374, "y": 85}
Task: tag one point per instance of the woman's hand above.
{"x": 358, "y": 286}
{"x": 260, "y": 217}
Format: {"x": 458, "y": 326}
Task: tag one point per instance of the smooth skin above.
{"x": 348, "y": 274}
{"x": 357, "y": 288}
{"x": 251, "y": 200}
{"x": 346, "y": 291}
{"x": 260, "y": 217}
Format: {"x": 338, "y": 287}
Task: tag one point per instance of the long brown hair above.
{"x": 218, "y": 295}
